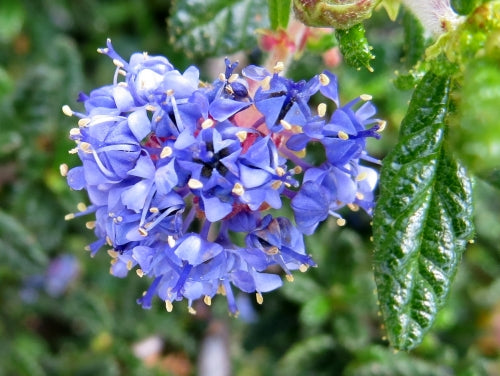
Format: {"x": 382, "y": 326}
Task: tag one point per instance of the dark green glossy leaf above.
{"x": 216, "y": 27}
{"x": 354, "y": 47}
{"x": 422, "y": 220}
{"x": 279, "y": 13}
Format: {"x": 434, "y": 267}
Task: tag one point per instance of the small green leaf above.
{"x": 216, "y": 27}
{"x": 422, "y": 220}
{"x": 279, "y": 13}
{"x": 354, "y": 47}
{"x": 476, "y": 136}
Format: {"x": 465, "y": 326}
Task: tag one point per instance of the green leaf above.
{"x": 379, "y": 361}
{"x": 12, "y": 17}
{"x": 354, "y": 47}
{"x": 422, "y": 220}
{"x": 279, "y": 13}
{"x": 477, "y": 135}
{"x": 21, "y": 251}
{"x": 216, "y": 27}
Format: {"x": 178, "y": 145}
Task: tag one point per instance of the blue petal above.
{"x": 310, "y": 206}
{"x": 196, "y": 250}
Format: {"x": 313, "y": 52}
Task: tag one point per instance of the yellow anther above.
{"x": 170, "y": 92}
{"x": 276, "y": 184}
{"x": 361, "y": 176}
{"x": 229, "y": 89}
{"x": 289, "y": 278}
{"x": 242, "y": 135}
{"x": 166, "y": 152}
{"x": 342, "y": 135}
{"x": 286, "y": 124}
{"x": 63, "y": 169}
{"x": 353, "y": 207}
{"x": 296, "y": 129}
{"x": 67, "y": 110}
{"x": 81, "y": 206}
{"x": 360, "y": 196}
{"x": 171, "y": 241}
{"x": 324, "y": 79}
{"x": 272, "y": 250}
{"x": 154, "y": 210}
{"x": 74, "y": 132}
{"x": 118, "y": 219}
{"x": 191, "y": 310}
{"x": 266, "y": 83}
{"x": 207, "y": 300}
{"x": 279, "y": 67}
{"x": 90, "y": 225}
{"x": 366, "y": 97}
{"x": 84, "y": 122}
{"x": 112, "y": 253}
{"x": 238, "y": 189}
{"x": 113, "y": 262}
{"x": 195, "y": 184}
{"x": 129, "y": 264}
{"x": 341, "y": 222}
{"x": 321, "y": 109}
{"x": 102, "y": 50}
{"x": 222, "y": 77}
{"x": 280, "y": 171}
{"x": 108, "y": 241}
{"x": 259, "y": 298}
{"x": 472, "y": 241}
{"x": 169, "y": 306}
{"x": 150, "y": 107}
{"x": 303, "y": 268}
{"x": 232, "y": 78}
{"x": 85, "y": 147}
{"x": 143, "y": 231}
{"x": 73, "y": 151}
{"x": 140, "y": 273}
{"x": 381, "y": 125}
{"x": 122, "y": 84}
{"x": 122, "y": 72}
{"x": 297, "y": 170}
{"x": 69, "y": 216}
{"x": 221, "y": 290}
{"x": 301, "y": 153}
{"x": 207, "y": 123}
{"x": 118, "y": 63}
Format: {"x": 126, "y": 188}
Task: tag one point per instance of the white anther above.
{"x": 324, "y": 79}
{"x": 286, "y": 124}
{"x": 63, "y": 169}
{"x": 67, "y": 110}
{"x": 166, "y": 152}
{"x": 321, "y": 109}
{"x": 207, "y": 123}
{"x": 195, "y": 184}
{"x": 207, "y": 300}
{"x": 238, "y": 189}
{"x": 366, "y": 97}
{"x": 341, "y": 222}
{"x": 279, "y": 67}
{"x": 242, "y": 135}
{"x": 118, "y": 63}
{"x": 169, "y": 306}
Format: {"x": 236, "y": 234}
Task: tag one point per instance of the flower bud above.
{"x": 340, "y": 14}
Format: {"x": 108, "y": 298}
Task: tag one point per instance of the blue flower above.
{"x": 177, "y": 171}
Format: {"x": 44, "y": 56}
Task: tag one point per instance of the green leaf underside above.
{"x": 279, "y": 13}
{"x": 422, "y": 220}
{"x": 216, "y": 27}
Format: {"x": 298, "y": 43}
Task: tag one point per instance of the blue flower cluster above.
{"x": 181, "y": 174}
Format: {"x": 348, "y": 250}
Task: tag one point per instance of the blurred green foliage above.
{"x": 323, "y": 323}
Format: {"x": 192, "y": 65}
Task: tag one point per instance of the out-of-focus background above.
{"x": 62, "y": 313}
